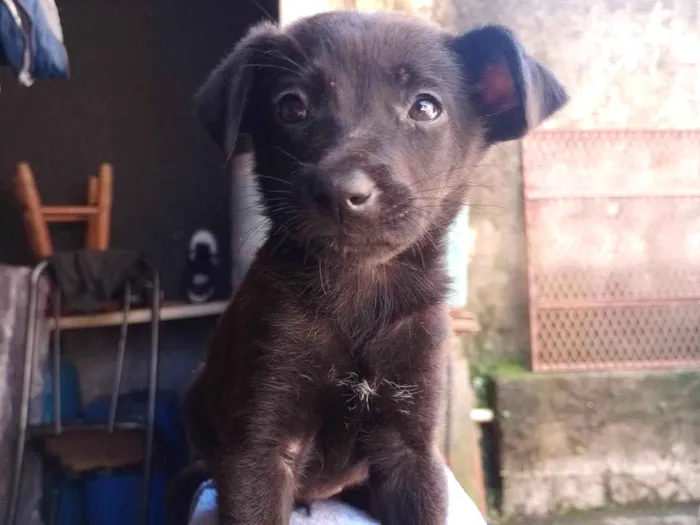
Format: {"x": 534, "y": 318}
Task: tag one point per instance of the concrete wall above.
{"x": 627, "y": 64}
{"x": 591, "y": 441}
{"x": 584, "y": 441}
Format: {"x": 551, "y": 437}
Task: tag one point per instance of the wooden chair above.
{"x": 96, "y": 213}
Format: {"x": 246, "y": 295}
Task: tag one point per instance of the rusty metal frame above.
{"x": 538, "y": 196}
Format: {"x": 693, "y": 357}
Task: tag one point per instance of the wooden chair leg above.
{"x": 104, "y": 208}
{"x": 91, "y": 230}
{"x": 97, "y": 213}
{"x": 35, "y": 224}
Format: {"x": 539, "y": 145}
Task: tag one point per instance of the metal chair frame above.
{"x": 149, "y": 428}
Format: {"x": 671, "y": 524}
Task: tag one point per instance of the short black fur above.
{"x": 327, "y": 371}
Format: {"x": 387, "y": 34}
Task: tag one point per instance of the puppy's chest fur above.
{"x": 363, "y": 393}
{"x": 350, "y": 394}
{"x": 362, "y": 361}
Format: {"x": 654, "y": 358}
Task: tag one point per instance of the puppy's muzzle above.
{"x": 345, "y": 195}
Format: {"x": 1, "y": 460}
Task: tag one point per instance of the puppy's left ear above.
{"x": 222, "y": 102}
{"x": 512, "y": 92}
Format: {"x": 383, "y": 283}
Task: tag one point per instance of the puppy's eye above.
{"x": 291, "y": 108}
{"x": 425, "y": 109}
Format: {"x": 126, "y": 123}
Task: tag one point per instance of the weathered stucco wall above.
{"x": 627, "y": 64}
{"x": 591, "y": 441}
{"x": 585, "y": 441}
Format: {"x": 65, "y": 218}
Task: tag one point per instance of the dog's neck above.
{"x": 412, "y": 281}
{"x": 360, "y": 292}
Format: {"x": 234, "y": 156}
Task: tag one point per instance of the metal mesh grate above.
{"x": 613, "y": 233}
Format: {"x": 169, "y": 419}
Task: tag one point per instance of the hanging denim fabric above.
{"x": 31, "y": 40}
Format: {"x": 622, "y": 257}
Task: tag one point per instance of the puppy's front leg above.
{"x": 409, "y": 486}
{"x": 255, "y": 485}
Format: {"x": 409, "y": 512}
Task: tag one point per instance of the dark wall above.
{"x": 134, "y": 67}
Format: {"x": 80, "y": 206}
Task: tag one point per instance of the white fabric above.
{"x": 461, "y": 509}
{"x": 14, "y": 298}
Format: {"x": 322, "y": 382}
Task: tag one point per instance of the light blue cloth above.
{"x": 461, "y": 509}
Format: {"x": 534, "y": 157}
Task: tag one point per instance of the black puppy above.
{"x": 327, "y": 369}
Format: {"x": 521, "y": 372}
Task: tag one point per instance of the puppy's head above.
{"x": 366, "y": 126}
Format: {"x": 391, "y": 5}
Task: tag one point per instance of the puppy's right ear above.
{"x": 222, "y": 101}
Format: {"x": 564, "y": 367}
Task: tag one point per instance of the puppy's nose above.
{"x": 354, "y": 192}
